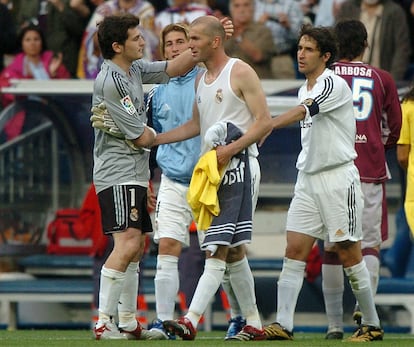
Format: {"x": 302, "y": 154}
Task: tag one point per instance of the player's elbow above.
{"x": 146, "y": 139}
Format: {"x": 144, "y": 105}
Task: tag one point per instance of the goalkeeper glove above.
{"x": 102, "y": 120}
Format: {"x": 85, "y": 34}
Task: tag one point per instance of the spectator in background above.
{"x": 181, "y": 11}
{"x": 33, "y": 62}
{"x": 320, "y": 12}
{"x": 309, "y": 9}
{"x": 377, "y": 113}
{"x": 7, "y": 34}
{"x": 388, "y": 33}
{"x": 159, "y": 5}
{"x": 62, "y": 22}
{"x": 27, "y": 12}
{"x": 92, "y": 5}
{"x": 408, "y": 7}
{"x": 284, "y": 18}
{"x": 252, "y": 42}
{"x": 220, "y": 8}
{"x": 90, "y": 57}
{"x": 66, "y": 21}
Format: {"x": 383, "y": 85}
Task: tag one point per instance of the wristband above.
{"x": 152, "y": 130}
{"x": 311, "y": 107}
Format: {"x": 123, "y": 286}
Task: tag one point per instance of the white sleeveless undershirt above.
{"x": 217, "y": 102}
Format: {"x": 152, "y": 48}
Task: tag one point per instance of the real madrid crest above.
{"x": 219, "y": 96}
{"x": 308, "y": 102}
{"x": 133, "y": 214}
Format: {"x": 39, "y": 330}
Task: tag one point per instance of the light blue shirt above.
{"x": 171, "y": 105}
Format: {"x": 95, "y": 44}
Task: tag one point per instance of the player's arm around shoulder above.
{"x": 180, "y": 65}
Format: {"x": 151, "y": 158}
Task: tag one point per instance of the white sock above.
{"x": 234, "y": 305}
{"x": 373, "y": 266}
{"x": 207, "y": 286}
{"x": 127, "y": 308}
{"x": 358, "y": 276}
{"x": 242, "y": 282}
{"x": 333, "y": 290}
{"x": 289, "y": 285}
{"x": 166, "y": 286}
{"x": 109, "y": 293}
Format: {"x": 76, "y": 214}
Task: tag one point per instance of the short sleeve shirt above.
{"x": 114, "y": 161}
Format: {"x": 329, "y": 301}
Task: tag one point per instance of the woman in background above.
{"x": 33, "y": 61}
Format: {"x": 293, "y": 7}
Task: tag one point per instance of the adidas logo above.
{"x": 339, "y": 233}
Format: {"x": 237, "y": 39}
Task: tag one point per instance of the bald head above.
{"x": 210, "y": 26}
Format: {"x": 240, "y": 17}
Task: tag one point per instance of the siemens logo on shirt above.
{"x": 353, "y": 71}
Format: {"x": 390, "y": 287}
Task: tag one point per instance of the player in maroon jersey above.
{"x": 378, "y": 117}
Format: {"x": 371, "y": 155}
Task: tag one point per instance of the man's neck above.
{"x": 314, "y": 76}
{"x": 215, "y": 65}
{"x": 356, "y": 59}
{"x": 122, "y": 63}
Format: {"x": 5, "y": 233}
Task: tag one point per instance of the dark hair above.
{"x": 114, "y": 29}
{"x": 219, "y": 5}
{"x": 409, "y": 95}
{"x": 325, "y": 40}
{"x": 351, "y": 36}
{"x": 31, "y": 27}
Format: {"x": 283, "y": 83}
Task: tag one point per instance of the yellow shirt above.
{"x": 407, "y": 138}
{"x": 202, "y": 192}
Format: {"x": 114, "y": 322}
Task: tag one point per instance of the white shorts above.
{"x": 328, "y": 205}
{"x": 173, "y": 215}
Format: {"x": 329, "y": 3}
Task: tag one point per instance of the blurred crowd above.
{"x": 44, "y": 39}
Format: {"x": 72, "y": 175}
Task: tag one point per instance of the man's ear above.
{"x": 116, "y": 47}
{"x": 326, "y": 56}
{"x": 216, "y": 42}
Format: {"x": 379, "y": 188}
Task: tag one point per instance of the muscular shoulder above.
{"x": 243, "y": 77}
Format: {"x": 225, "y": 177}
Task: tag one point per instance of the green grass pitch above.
{"x": 81, "y": 338}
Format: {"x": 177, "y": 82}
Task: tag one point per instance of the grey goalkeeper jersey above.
{"x": 114, "y": 161}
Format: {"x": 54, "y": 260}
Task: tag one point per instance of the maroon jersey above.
{"x": 377, "y": 113}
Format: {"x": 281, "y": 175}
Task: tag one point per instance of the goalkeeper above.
{"x": 120, "y": 173}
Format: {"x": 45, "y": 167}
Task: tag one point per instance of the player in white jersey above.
{"x": 327, "y": 201}
{"x": 230, "y": 93}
